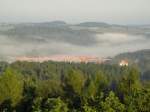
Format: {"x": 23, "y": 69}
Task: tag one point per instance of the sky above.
{"x": 76, "y": 11}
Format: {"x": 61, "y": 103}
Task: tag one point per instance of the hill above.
{"x": 60, "y": 38}
{"x": 139, "y": 58}
{"x": 94, "y": 24}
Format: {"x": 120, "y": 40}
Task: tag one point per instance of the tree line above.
{"x": 72, "y": 87}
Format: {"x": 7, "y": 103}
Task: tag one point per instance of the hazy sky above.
{"x": 74, "y": 11}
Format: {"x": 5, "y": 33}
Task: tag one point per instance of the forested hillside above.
{"x": 72, "y": 87}
{"x": 139, "y": 58}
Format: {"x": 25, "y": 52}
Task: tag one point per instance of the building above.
{"x": 62, "y": 58}
{"x": 123, "y": 63}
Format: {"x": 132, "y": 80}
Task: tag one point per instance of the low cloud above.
{"x": 55, "y": 41}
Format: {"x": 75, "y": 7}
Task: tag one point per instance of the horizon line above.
{"x": 76, "y": 23}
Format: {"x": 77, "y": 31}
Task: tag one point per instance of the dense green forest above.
{"x": 72, "y": 87}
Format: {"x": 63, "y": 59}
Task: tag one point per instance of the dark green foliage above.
{"x": 72, "y": 87}
{"x": 49, "y": 105}
{"x": 130, "y": 82}
{"x": 74, "y": 80}
{"x": 112, "y": 104}
{"x": 51, "y": 88}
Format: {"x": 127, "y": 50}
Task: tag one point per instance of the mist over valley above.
{"x": 60, "y": 38}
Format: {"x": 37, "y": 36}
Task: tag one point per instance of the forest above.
{"x": 72, "y": 87}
